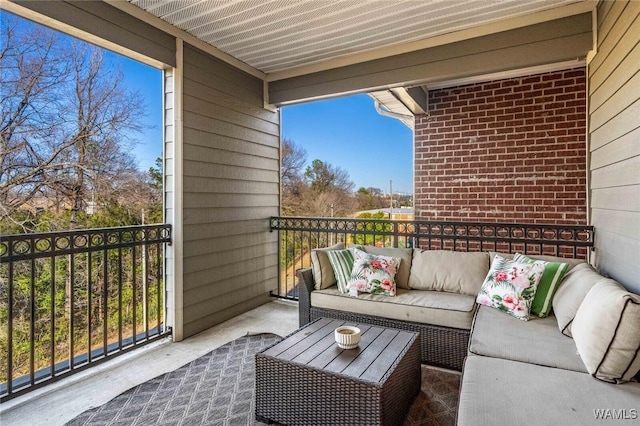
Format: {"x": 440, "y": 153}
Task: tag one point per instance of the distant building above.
{"x": 397, "y": 213}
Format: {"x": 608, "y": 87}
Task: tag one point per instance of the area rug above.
{"x": 218, "y": 389}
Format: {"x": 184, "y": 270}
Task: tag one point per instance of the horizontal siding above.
{"x": 231, "y": 188}
{"x": 215, "y": 170}
{"x": 218, "y": 229}
{"x": 624, "y": 198}
{"x": 619, "y": 222}
{"x": 109, "y": 23}
{"x": 224, "y": 113}
{"x": 206, "y": 304}
{"x": 169, "y": 169}
{"x": 617, "y": 257}
{"x": 205, "y": 246}
{"x": 225, "y": 314}
{"x": 544, "y": 43}
{"x": 233, "y": 277}
{"x": 626, "y": 54}
{"x": 608, "y": 13}
{"x": 626, "y": 92}
{"x": 623, "y": 173}
{"x": 614, "y": 108}
{"x": 226, "y": 214}
{"x": 625, "y": 121}
{"x": 623, "y": 24}
{"x": 233, "y": 102}
{"x": 618, "y": 150}
{"x": 200, "y": 200}
{"x": 200, "y": 140}
{"x": 215, "y": 127}
{"x": 216, "y": 73}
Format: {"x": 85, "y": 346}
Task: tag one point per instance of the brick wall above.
{"x": 512, "y": 150}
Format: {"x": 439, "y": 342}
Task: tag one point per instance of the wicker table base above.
{"x": 307, "y": 380}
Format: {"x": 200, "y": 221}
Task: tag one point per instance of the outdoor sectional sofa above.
{"x": 511, "y": 367}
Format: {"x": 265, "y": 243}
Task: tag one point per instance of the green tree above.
{"x": 324, "y": 177}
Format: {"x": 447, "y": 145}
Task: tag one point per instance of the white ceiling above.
{"x": 279, "y": 35}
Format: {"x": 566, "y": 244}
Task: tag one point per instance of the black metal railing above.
{"x": 299, "y": 235}
{"x": 71, "y": 299}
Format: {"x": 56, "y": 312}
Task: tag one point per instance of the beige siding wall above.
{"x": 614, "y": 111}
{"x": 111, "y": 24}
{"x": 231, "y": 188}
{"x": 545, "y": 43}
{"x": 169, "y": 191}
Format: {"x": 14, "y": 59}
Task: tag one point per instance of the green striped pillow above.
{"x": 551, "y": 279}
{"x": 342, "y": 263}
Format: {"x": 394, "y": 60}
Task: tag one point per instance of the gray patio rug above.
{"x": 218, "y": 389}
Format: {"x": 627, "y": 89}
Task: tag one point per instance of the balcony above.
{"x": 77, "y": 298}
{"x": 61, "y": 401}
{"x": 82, "y": 254}
{"x": 299, "y": 235}
{"x": 221, "y": 150}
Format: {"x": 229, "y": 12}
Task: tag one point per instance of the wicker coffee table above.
{"x": 306, "y": 379}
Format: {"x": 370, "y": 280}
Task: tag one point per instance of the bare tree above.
{"x": 330, "y": 203}
{"x": 293, "y": 159}
{"x": 32, "y": 72}
{"x": 65, "y": 120}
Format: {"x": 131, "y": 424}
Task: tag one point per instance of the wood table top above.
{"x": 315, "y": 346}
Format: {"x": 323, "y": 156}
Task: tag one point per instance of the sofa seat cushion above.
{"x": 426, "y": 307}
{"x": 537, "y": 341}
{"x": 497, "y": 391}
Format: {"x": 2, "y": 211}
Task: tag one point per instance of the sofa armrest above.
{"x": 305, "y": 287}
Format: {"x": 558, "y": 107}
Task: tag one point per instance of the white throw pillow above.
{"x": 606, "y": 330}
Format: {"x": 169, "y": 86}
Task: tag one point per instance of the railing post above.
{"x": 433, "y": 235}
{"x": 44, "y": 259}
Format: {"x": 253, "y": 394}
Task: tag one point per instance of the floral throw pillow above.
{"x": 373, "y": 274}
{"x": 510, "y": 286}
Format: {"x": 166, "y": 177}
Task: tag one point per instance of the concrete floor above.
{"x": 61, "y": 401}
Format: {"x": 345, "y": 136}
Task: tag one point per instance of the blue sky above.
{"x": 148, "y": 82}
{"x": 346, "y": 132}
{"x": 349, "y": 133}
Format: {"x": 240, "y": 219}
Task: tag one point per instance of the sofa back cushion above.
{"x": 570, "y": 294}
{"x": 323, "y": 275}
{"x": 606, "y": 331}
{"x": 406, "y": 254}
{"x": 454, "y": 272}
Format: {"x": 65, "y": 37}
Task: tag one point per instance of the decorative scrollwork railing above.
{"x": 14, "y": 248}
{"x": 300, "y": 235}
{"x": 71, "y": 299}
